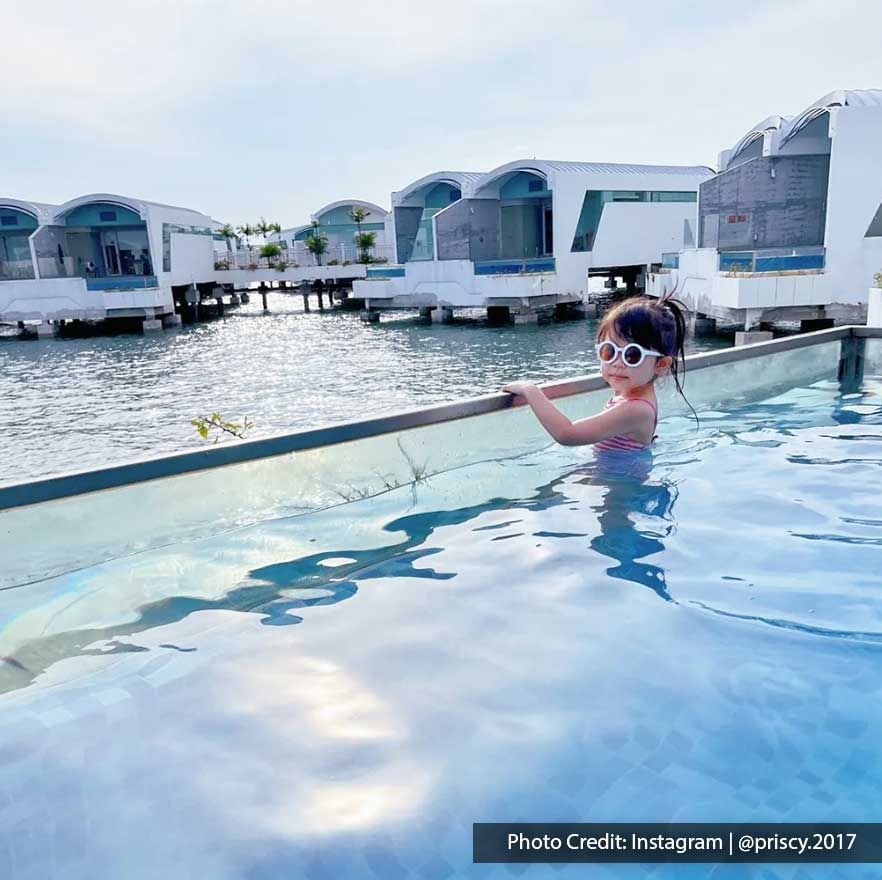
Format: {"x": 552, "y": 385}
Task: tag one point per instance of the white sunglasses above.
{"x": 632, "y": 354}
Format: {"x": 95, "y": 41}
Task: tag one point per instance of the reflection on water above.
{"x": 86, "y": 403}
{"x": 279, "y": 590}
{"x": 484, "y": 649}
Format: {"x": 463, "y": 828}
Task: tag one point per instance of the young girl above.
{"x": 638, "y": 340}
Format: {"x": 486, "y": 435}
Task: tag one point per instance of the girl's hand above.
{"x": 522, "y": 389}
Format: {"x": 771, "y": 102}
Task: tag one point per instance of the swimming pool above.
{"x": 526, "y": 633}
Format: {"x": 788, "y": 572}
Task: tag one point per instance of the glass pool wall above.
{"x": 50, "y": 538}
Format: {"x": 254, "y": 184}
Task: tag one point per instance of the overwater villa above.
{"x": 529, "y": 234}
{"x": 790, "y": 228}
{"x": 98, "y": 257}
{"x": 334, "y": 222}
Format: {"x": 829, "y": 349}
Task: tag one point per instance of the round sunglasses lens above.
{"x": 632, "y": 355}
{"x": 606, "y": 352}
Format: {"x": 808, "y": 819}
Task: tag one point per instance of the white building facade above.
{"x": 790, "y": 228}
{"x": 99, "y": 256}
{"x": 531, "y": 230}
{"x": 336, "y": 224}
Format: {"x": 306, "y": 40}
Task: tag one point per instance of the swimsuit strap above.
{"x": 610, "y": 403}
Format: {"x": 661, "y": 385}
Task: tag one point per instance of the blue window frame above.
{"x": 9, "y": 220}
{"x": 536, "y": 186}
{"x": 107, "y": 216}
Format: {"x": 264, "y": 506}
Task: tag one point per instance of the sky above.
{"x": 275, "y": 108}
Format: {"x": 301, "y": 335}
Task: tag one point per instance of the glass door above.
{"x": 111, "y": 251}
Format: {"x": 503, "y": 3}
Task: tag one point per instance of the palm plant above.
{"x": 246, "y": 230}
{"x": 359, "y": 215}
{"x": 316, "y": 243}
{"x": 227, "y": 232}
{"x": 270, "y": 250}
{"x": 364, "y": 241}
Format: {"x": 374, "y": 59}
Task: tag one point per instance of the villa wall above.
{"x": 468, "y": 230}
{"x": 407, "y": 222}
{"x": 766, "y": 202}
{"x": 854, "y": 197}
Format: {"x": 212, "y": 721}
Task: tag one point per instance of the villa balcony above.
{"x": 515, "y": 267}
{"x": 773, "y": 260}
{"x": 122, "y": 282}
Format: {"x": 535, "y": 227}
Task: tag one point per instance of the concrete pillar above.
{"x": 526, "y": 316}
{"x": 245, "y": 298}
{"x": 169, "y": 321}
{"x": 874, "y": 308}
{"x": 704, "y": 326}
{"x": 426, "y": 312}
{"x": 263, "y": 290}
{"x": 748, "y": 337}
{"x": 812, "y": 324}
{"x": 46, "y": 330}
{"x": 234, "y": 299}
{"x": 442, "y": 315}
{"x": 498, "y": 315}
{"x": 752, "y": 318}
{"x": 151, "y": 326}
{"x": 220, "y": 305}
{"x": 371, "y": 316}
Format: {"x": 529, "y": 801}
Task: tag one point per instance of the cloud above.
{"x": 279, "y": 106}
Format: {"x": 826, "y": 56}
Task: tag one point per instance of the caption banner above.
{"x": 676, "y": 842}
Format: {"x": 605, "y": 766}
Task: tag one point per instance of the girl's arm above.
{"x": 617, "y": 420}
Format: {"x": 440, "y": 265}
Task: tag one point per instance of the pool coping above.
{"x": 140, "y": 470}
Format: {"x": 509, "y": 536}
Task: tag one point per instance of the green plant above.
{"x": 270, "y": 250}
{"x": 205, "y": 425}
{"x": 334, "y": 262}
{"x": 263, "y": 228}
{"x": 281, "y": 266}
{"x": 316, "y": 243}
{"x": 877, "y": 278}
{"x": 220, "y": 265}
{"x": 227, "y": 232}
{"x": 246, "y": 231}
{"x": 364, "y": 241}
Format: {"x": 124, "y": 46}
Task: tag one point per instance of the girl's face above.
{"x": 622, "y": 378}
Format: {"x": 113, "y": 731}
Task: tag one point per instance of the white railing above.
{"x": 299, "y": 256}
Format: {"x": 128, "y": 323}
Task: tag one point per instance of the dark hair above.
{"x": 653, "y": 323}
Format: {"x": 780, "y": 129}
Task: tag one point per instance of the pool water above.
{"x": 548, "y": 637}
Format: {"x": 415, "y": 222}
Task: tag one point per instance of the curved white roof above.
{"x": 368, "y": 206}
{"x": 108, "y": 198}
{"x": 788, "y": 126}
{"x": 838, "y": 98}
{"x": 292, "y": 231}
{"x": 460, "y": 179}
{"x": 770, "y": 123}
{"x": 544, "y": 167}
{"x": 139, "y": 206}
{"x": 38, "y": 210}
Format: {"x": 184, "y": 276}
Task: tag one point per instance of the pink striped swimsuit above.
{"x": 621, "y": 443}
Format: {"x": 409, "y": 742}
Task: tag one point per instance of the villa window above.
{"x": 9, "y": 221}
{"x": 107, "y": 216}
{"x": 674, "y": 196}
{"x": 536, "y": 186}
